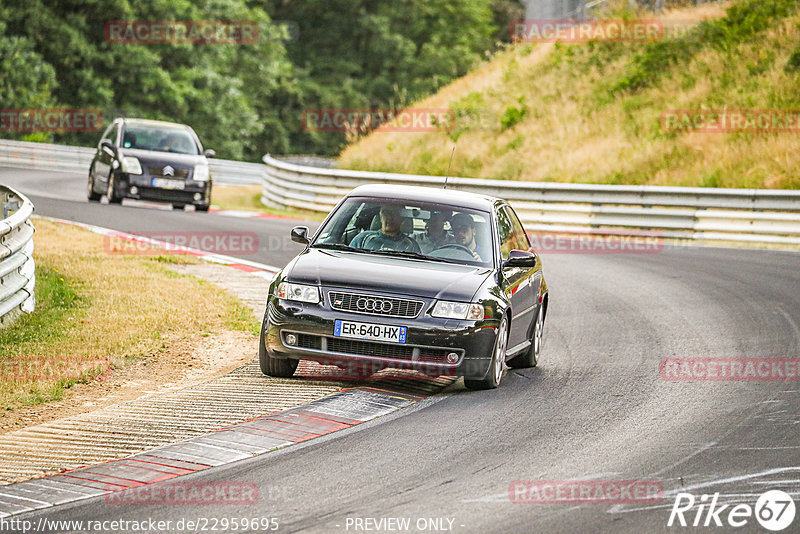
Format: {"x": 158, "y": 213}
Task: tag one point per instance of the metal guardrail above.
{"x": 17, "y": 268}
{"x": 77, "y": 159}
{"x": 697, "y": 213}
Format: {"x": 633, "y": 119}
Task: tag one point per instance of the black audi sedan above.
{"x": 432, "y": 280}
{"x": 151, "y": 160}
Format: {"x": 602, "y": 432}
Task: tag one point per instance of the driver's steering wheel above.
{"x": 455, "y": 246}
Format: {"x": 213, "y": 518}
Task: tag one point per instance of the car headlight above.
{"x": 299, "y": 292}
{"x": 200, "y": 173}
{"x": 457, "y": 310}
{"x": 131, "y": 165}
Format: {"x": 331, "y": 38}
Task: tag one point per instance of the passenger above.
{"x": 464, "y": 231}
{"x": 435, "y": 235}
{"x": 389, "y": 237}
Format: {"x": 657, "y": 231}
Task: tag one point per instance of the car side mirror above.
{"x": 520, "y": 258}
{"x": 109, "y": 147}
{"x": 209, "y": 153}
{"x": 300, "y": 235}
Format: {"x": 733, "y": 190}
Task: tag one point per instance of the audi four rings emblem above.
{"x": 374, "y": 305}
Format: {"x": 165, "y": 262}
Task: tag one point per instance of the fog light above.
{"x": 134, "y": 190}
{"x": 452, "y": 357}
{"x": 291, "y": 339}
{"x": 198, "y": 196}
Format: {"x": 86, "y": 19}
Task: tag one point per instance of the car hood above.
{"x": 384, "y": 274}
{"x": 154, "y": 157}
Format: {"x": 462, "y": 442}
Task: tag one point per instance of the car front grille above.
{"x": 337, "y": 345}
{"x": 372, "y": 305}
{"x": 369, "y": 348}
{"x": 158, "y": 170}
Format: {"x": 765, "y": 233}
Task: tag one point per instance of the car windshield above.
{"x": 160, "y": 139}
{"x": 424, "y": 231}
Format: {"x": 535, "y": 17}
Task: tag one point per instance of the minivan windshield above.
{"x": 160, "y": 139}
{"x": 426, "y": 231}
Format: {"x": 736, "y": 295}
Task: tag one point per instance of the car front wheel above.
{"x": 498, "y": 365}
{"x": 277, "y": 367}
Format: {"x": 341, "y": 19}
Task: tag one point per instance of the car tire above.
{"x": 497, "y": 367}
{"x": 530, "y": 358}
{"x": 111, "y": 195}
{"x": 178, "y": 206}
{"x": 204, "y": 209}
{"x": 90, "y": 194}
{"x": 275, "y": 367}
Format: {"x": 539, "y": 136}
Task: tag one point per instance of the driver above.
{"x": 389, "y": 237}
{"x": 464, "y": 231}
{"x": 435, "y": 235}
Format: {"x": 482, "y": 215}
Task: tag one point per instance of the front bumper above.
{"x": 429, "y": 340}
{"x": 145, "y": 191}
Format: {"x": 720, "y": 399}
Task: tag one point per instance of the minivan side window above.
{"x": 107, "y": 135}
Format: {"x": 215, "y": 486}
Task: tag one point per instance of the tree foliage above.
{"x": 243, "y": 100}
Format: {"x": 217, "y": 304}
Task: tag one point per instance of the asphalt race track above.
{"x": 596, "y": 408}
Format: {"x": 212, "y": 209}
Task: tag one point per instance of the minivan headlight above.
{"x": 299, "y": 292}
{"x": 201, "y": 173}
{"x": 131, "y": 165}
{"x": 457, "y": 310}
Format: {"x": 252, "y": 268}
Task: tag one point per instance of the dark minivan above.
{"x": 151, "y": 160}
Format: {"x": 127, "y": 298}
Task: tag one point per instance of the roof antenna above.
{"x": 448, "y": 167}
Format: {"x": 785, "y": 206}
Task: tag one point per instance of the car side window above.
{"x": 523, "y": 243}
{"x": 508, "y": 238}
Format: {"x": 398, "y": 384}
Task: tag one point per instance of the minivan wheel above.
{"x": 90, "y": 194}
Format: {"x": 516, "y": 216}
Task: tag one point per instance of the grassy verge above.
{"x": 97, "y": 311}
{"x": 248, "y": 198}
{"x": 592, "y": 112}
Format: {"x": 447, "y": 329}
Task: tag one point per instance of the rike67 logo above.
{"x": 774, "y": 511}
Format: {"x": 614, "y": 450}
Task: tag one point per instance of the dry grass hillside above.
{"x": 592, "y": 112}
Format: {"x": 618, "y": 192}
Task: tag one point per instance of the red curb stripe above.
{"x": 100, "y": 482}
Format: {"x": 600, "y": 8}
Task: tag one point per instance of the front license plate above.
{"x": 165, "y": 183}
{"x": 373, "y": 332}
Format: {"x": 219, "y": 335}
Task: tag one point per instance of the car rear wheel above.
{"x": 277, "y": 367}
{"x": 497, "y": 367}
{"x": 90, "y": 194}
{"x": 178, "y": 206}
{"x": 530, "y": 358}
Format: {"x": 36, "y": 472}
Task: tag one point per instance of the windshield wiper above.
{"x": 337, "y": 246}
{"x": 405, "y": 254}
